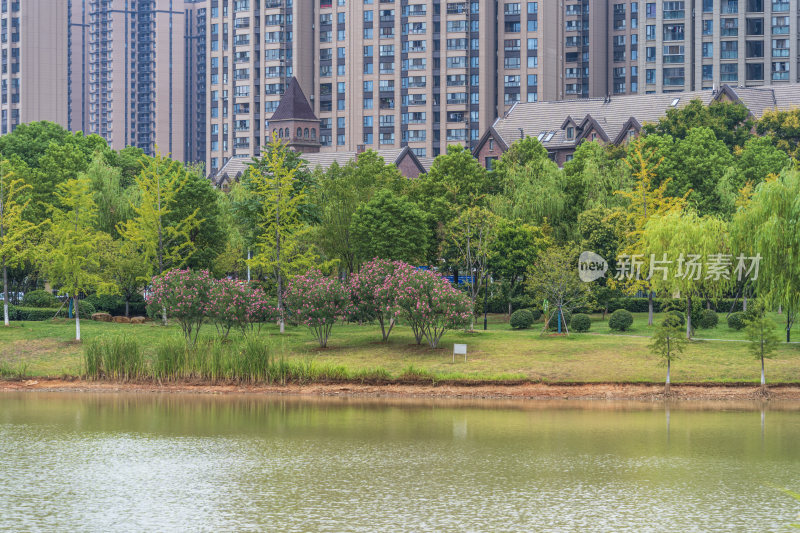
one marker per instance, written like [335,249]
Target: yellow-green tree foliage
[162,241]
[15,231]
[73,259]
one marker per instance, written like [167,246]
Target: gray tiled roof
[293,104]
[546,118]
[236,166]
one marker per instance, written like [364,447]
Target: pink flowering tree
[373,292]
[237,304]
[184,295]
[430,304]
[316,301]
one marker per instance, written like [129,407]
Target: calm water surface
[107,462]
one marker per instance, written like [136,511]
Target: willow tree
[161,240]
[771,219]
[688,255]
[15,231]
[73,258]
[645,201]
[282,243]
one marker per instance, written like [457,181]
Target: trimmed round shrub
[521,319]
[39,298]
[708,319]
[580,323]
[736,321]
[537,314]
[566,317]
[620,320]
[680,316]
[672,320]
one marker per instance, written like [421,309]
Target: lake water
[123,462]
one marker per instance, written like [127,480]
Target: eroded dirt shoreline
[522,391]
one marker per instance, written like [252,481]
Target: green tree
[730,122]
[644,200]
[514,248]
[208,235]
[783,126]
[696,164]
[73,257]
[126,269]
[15,231]
[389,226]
[760,330]
[686,242]
[113,201]
[769,225]
[162,239]
[533,191]
[471,235]
[668,343]
[592,176]
[554,277]
[757,160]
[281,246]
[340,192]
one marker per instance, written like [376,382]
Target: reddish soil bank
[519,391]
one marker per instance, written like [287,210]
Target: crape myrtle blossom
[190,296]
[317,301]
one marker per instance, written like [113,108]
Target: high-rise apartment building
[127,69]
[195,81]
[34,65]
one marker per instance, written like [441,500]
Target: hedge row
[639,305]
[34,314]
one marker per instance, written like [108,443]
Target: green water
[113,462]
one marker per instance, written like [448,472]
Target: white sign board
[459,349]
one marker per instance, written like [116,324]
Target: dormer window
[631,134]
[570,133]
[491,145]
[594,136]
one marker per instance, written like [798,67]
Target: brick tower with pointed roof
[294,122]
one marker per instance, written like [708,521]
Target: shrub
[373,292]
[736,321]
[521,319]
[236,304]
[40,299]
[620,320]
[566,317]
[708,319]
[430,304]
[537,314]
[318,302]
[580,323]
[185,296]
[34,314]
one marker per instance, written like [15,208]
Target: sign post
[460,349]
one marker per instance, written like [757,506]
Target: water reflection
[179,462]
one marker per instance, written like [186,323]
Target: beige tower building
[33,79]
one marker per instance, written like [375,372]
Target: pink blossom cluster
[386,291]
[190,297]
[317,301]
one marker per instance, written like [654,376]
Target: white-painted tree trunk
[77,319]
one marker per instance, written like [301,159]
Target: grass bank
[45,349]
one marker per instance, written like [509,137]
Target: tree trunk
[77,318]
[788,326]
[281,323]
[744,303]
[666,383]
[163,315]
[763,378]
[688,317]
[708,304]
[649,307]
[127,308]
[248,265]
[5,294]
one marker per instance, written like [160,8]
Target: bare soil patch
[518,391]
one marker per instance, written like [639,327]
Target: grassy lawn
[47,349]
